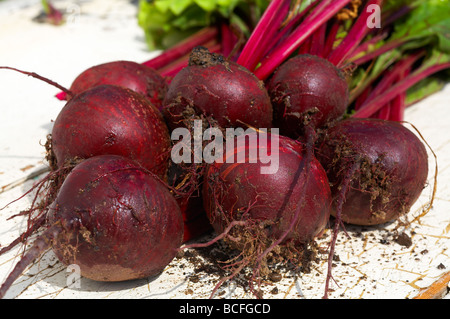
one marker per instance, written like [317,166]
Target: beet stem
[174,67]
[330,38]
[363,47]
[377,102]
[393,76]
[377,52]
[178,51]
[357,32]
[288,25]
[227,39]
[398,103]
[269,23]
[324,11]
[318,41]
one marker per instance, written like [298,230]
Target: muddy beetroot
[126,223]
[268,216]
[112,218]
[210,86]
[389,164]
[239,191]
[307,89]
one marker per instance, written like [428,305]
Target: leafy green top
[167,22]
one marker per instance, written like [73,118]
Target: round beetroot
[113,219]
[268,203]
[128,74]
[223,90]
[306,89]
[390,166]
[121,222]
[270,215]
[109,119]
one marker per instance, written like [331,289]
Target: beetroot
[306,89]
[261,213]
[231,187]
[109,119]
[390,168]
[128,74]
[215,88]
[377,170]
[112,218]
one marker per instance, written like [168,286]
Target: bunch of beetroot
[118,205]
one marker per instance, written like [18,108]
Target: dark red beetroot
[306,89]
[223,90]
[390,167]
[128,74]
[109,119]
[268,215]
[113,219]
[130,226]
[232,187]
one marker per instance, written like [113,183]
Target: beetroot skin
[391,168]
[223,90]
[306,89]
[239,191]
[128,74]
[108,119]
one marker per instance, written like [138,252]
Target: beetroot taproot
[113,219]
[213,87]
[306,90]
[109,119]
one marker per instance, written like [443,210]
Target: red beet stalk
[181,49]
[357,32]
[373,105]
[324,11]
[264,31]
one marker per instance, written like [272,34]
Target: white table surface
[372,264]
